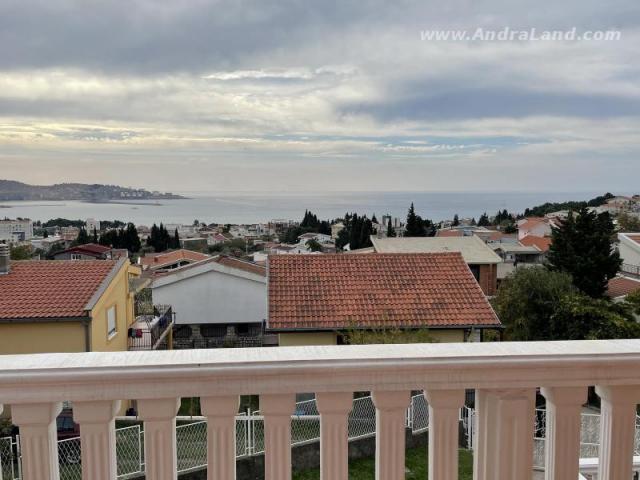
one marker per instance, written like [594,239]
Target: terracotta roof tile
[159,260]
[89,249]
[622,286]
[337,291]
[51,289]
[241,265]
[543,243]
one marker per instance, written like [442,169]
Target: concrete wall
[311,338]
[117,294]
[629,255]
[53,337]
[214,297]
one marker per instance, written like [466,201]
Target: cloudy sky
[296,95]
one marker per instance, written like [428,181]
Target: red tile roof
[51,289]
[242,265]
[159,260]
[622,286]
[337,291]
[88,249]
[449,233]
[543,243]
[634,238]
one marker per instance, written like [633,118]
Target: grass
[416,467]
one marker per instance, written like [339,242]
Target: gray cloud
[256,85]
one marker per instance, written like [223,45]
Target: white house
[92,224]
[220,300]
[629,248]
[19,230]
[539,227]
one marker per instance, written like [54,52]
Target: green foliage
[549,207]
[583,247]
[484,221]
[83,237]
[628,223]
[391,232]
[159,238]
[579,317]
[314,245]
[63,222]
[416,467]
[527,299]
[539,304]
[122,238]
[417,226]
[21,252]
[343,238]
[456,221]
[310,223]
[633,301]
[380,335]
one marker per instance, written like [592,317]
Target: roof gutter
[45,319]
[372,327]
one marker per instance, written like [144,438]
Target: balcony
[629,269]
[153,331]
[504,375]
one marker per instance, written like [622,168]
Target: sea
[249,207]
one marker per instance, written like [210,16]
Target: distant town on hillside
[17,191]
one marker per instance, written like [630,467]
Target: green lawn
[364,469]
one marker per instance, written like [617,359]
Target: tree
[456,221]
[527,299]
[579,317]
[414,227]
[391,232]
[175,242]
[374,219]
[83,237]
[313,245]
[21,252]
[483,221]
[343,238]
[628,223]
[45,234]
[582,247]
[95,235]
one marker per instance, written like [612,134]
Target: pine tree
[456,221]
[83,237]
[414,226]
[176,240]
[582,246]
[95,235]
[374,219]
[390,230]
[483,221]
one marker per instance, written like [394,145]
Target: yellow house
[318,299]
[66,306]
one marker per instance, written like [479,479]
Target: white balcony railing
[505,376]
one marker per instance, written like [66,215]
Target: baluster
[39,439]
[391,410]
[334,411]
[159,417]
[562,431]
[506,428]
[97,438]
[221,436]
[617,431]
[444,421]
[277,410]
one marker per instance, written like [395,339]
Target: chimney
[5,259]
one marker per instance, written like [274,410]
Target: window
[76,256]
[112,326]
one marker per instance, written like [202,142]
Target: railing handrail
[149,374]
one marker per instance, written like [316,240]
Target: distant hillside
[16,191]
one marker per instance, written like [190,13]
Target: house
[316,299]
[629,248]
[543,243]
[92,225]
[65,306]
[18,230]
[89,251]
[621,286]
[540,227]
[336,228]
[163,261]
[221,301]
[479,257]
[318,237]
[45,243]
[516,255]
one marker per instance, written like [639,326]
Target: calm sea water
[254,208]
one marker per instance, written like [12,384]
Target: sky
[331,95]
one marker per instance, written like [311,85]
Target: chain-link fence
[9,464]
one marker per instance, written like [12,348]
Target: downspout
[87,335]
